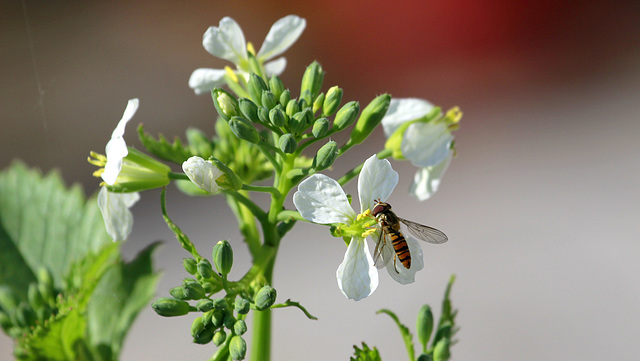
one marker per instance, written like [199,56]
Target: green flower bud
[206,318]
[243,129]
[242,306]
[46,285]
[371,116]
[303,103]
[312,81]
[325,156]
[256,86]
[223,257]
[169,307]
[320,128]
[444,331]
[197,326]
[292,107]
[424,326]
[192,289]
[288,143]
[204,268]
[34,296]
[190,265]
[332,101]
[346,115]
[248,109]
[237,348]
[210,287]
[285,97]
[424,357]
[219,337]
[317,104]
[254,64]
[217,318]
[225,103]
[204,337]
[178,293]
[277,116]
[220,304]
[441,350]
[276,86]
[204,305]
[240,327]
[199,143]
[229,321]
[298,123]
[269,100]
[265,298]
[263,114]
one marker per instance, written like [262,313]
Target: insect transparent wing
[424,233]
[383,252]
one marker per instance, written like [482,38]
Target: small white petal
[117,217]
[403,110]
[426,144]
[275,67]
[376,181]
[281,36]
[203,80]
[405,276]
[320,199]
[116,148]
[202,173]
[226,41]
[427,179]
[357,277]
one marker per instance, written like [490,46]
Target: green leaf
[43,224]
[365,354]
[173,152]
[404,331]
[60,340]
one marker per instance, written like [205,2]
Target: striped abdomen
[400,247]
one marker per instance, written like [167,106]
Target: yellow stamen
[231,74]
[97,160]
[251,49]
[368,232]
[363,215]
[98,173]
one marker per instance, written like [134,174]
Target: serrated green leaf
[404,332]
[365,354]
[173,152]
[58,342]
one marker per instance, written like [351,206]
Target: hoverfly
[396,246]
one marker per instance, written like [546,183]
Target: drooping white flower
[117,217]
[321,199]
[227,41]
[116,148]
[419,132]
[202,173]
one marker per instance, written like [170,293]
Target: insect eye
[377,209]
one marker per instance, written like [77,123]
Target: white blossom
[202,173]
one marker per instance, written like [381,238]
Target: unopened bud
[169,307]
[276,86]
[263,114]
[317,103]
[288,143]
[46,284]
[201,334]
[225,103]
[256,86]
[325,156]
[277,116]
[219,337]
[217,318]
[190,265]
[204,268]
[332,101]
[371,116]
[269,100]
[237,348]
[441,350]
[242,305]
[424,325]
[178,293]
[243,129]
[320,128]
[346,115]
[223,257]
[298,123]
[265,298]
[204,305]
[248,109]
[285,97]
[229,321]
[292,107]
[424,357]
[192,289]
[240,327]
[312,81]
[197,326]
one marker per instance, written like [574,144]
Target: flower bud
[190,265]
[201,334]
[332,101]
[225,103]
[371,116]
[444,331]
[424,325]
[263,114]
[229,321]
[217,318]
[204,174]
[199,143]
[265,298]
[192,289]
[254,64]
[317,103]
[288,143]
[269,100]
[220,304]
[298,123]
[242,306]
[240,327]
[219,337]
[243,129]
[169,307]
[256,86]
[248,109]
[441,350]
[223,257]
[210,287]
[237,348]
[276,86]
[285,97]
[303,103]
[292,107]
[204,268]
[277,116]
[424,357]
[178,293]
[325,156]
[312,81]
[197,326]
[320,128]
[46,284]
[346,115]
[204,305]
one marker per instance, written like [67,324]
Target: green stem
[247,224]
[178,176]
[264,189]
[287,215]
[355,171]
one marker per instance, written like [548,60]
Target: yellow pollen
[363,215]
[98,173]
[368,232]
[251,49]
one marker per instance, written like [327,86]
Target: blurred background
[540,206]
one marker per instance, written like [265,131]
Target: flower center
[362,226]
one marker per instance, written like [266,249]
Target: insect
[391,243]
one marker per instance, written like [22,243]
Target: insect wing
[383,252]
[424,233]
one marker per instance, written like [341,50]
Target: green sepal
[256,87]
[325,156]
[248,109]
[243,129]
[346,115]
[365,354]
[370,118]
[424,326]
[332,101]
[269,100]
[237,348]
[394,142]
[287,143]
[312,81]
[223,257]
[265,298]
[276,86]
[225,103]
[170,307]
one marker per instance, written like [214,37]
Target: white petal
[320,199]
[282,35]
[116,148]
[115,212]
[202,173]
[405,276]
[426,144]
[275,67]
[403,110]
[427,179]
[203,80]
[376,181]
[357,277]
[226,41]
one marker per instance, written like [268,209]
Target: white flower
[115,212]
[202,173]
[320,199]
[116,148]
[425,142]
[227,42]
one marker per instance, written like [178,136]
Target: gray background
[541,204]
